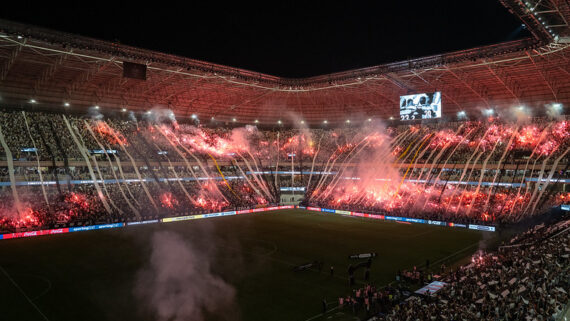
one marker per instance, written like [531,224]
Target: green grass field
[92,275]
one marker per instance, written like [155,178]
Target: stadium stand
[526,280]
[492,166]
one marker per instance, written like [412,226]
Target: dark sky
[289,39]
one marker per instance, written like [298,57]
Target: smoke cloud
[160,115]
[132,116]
[93,113]
[516,114]
[364,173]
[179,285]
[554,110]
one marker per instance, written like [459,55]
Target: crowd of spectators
[369,300]
[525,279]
[50,147]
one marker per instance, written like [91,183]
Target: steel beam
[8,64]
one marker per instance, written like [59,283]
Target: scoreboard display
[420,106]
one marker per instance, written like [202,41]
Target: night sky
[288,39]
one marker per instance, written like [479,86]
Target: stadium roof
[47,69]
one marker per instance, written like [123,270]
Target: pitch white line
[23,293]
[454,253]
[321,314]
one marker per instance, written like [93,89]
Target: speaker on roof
[134,70]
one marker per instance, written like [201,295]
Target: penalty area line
[23,293]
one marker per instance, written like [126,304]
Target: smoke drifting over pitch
[178,283]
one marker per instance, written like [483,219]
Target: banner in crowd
[33,233]
[143,222]
[482,228]
[362,256]
[292,189]
[551,180]
[432,288]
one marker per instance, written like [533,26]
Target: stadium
[141,185]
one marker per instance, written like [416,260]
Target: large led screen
[420,106]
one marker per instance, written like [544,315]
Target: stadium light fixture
[234,120]
[279,122]
[66,104]
[194,116]
[124,110]
[325,122]
[391,118]
[96,106]
[33,101]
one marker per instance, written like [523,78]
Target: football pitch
[225,268]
